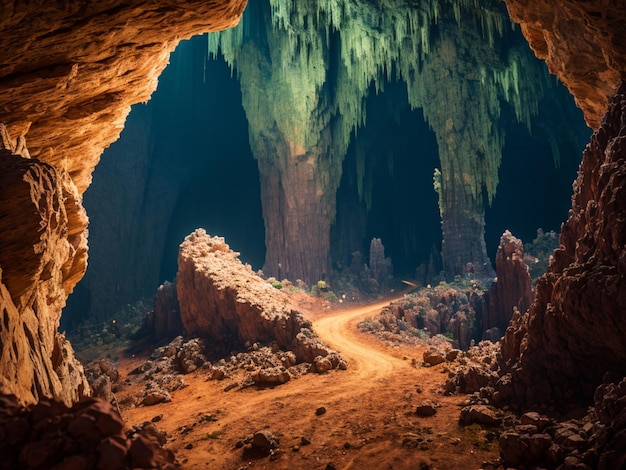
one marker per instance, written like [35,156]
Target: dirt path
[369,420]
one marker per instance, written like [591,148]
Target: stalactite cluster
[306,69]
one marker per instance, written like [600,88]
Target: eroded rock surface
[512,288]
[90,434]
[42,256]
[574,332]
[584,43]
[224,300]
[70,71]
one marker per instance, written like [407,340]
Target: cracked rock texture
[43,255]
[583,42]
[69,72]
[223,300]
[574,332]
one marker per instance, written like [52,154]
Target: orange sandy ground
[370,411]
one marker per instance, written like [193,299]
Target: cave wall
[572,337]
[68,75]
[583,43]
[574,332]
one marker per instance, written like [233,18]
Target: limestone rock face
[574,332]
[584,43]
[68,75]
[512,289]
[225,301]
[70,70]
[43,254]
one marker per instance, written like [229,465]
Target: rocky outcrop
[90,434]
[574,332]
[225,301]
[512,288]
[68,75]
[70,71]
[43,254]
[164,321]
[584,43]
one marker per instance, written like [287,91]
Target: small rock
[452,355]
[480,414]
[513,448]
[426,409]
[155,397]
[320,411]
[535,419]
[433,357]
[322,364]
[264,441]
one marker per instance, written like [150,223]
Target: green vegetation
[97,340]
[539,251]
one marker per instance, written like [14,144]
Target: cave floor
[370,419]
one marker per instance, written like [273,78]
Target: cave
[68,91]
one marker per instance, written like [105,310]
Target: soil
[369,420]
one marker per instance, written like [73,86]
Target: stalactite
[295,86]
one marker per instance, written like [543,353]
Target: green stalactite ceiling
[310,66]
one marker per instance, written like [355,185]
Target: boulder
[225,301]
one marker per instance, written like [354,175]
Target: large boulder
[225,301]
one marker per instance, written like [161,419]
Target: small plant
[277,285]
[322,286]
[211,435]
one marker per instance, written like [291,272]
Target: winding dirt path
[369,420]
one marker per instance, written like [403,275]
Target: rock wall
[584,43]
[512,288]
[68,75]
[225,301]
[574,332]
[43,254]
[71,70]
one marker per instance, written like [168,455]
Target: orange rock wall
[69,72]
[584,44]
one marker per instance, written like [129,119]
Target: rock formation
[89,434]
[512,288]
[584,43]
[304,105]
[225,301]
[42,256]
[69,74]
[72,100]
[380,267]
[574,332]
[164,321]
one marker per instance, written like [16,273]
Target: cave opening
[189,150]
[182,162]
[386,189]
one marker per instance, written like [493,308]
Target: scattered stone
[155,397]
[433,357]
[271,376]
[480,414]
[426,409]
[263,443]
[452,355]
[320,411]
[322,364]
